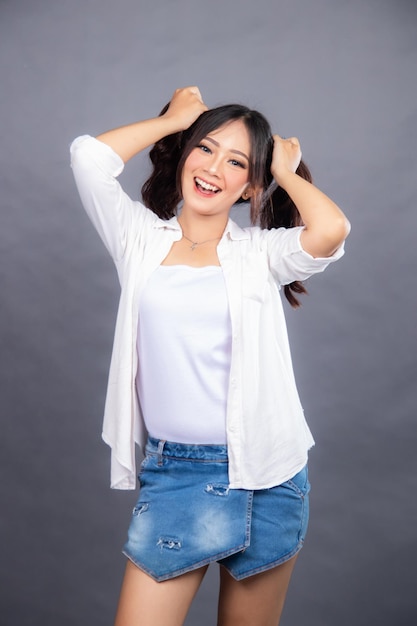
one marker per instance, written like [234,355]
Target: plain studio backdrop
[341,75]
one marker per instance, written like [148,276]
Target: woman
[201,356]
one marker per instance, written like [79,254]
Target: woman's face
[216,172]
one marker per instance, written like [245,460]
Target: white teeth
[207,186]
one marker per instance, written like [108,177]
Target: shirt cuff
[104,156]
[320,260]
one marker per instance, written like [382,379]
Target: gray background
[342,76]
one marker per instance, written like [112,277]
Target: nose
[214,166]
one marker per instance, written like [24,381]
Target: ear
[247,193]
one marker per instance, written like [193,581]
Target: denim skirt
[187,516]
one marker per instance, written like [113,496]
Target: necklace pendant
[193,246]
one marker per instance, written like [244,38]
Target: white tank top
[184,348]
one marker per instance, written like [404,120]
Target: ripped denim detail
[217,490]
[169,543]
[140,508]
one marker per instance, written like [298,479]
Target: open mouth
[205,187]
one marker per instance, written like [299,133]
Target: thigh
[145,602]
[254,601]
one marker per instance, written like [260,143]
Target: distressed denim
[187,516]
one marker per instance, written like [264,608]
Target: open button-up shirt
[267,435]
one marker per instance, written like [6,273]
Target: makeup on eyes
[232,151]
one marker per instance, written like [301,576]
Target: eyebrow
[216,143]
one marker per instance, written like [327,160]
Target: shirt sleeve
[113,213]
[288,260]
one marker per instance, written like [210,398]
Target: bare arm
[185,107]
[326,226]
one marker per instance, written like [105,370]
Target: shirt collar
[172,223]
[235,232]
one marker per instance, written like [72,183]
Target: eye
[204,148]
[237,163]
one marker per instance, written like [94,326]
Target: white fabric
[184,347]
[267,434]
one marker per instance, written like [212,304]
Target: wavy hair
[270,206]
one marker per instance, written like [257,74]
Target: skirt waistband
[198,452]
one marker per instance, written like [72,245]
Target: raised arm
[326,226]
[185,107]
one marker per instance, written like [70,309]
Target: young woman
[201,375]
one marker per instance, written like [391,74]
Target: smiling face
[216,172]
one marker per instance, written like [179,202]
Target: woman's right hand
[185,107]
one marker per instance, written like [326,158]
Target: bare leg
[254,601]
[144,602]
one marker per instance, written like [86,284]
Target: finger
[278,140]
[200,99]
[191,90]
[195,91]
[294,141]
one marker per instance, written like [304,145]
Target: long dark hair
[270,207]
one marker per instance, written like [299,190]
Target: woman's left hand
[286,157]
[325,225]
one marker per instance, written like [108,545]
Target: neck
[202,227]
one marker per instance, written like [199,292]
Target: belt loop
[161,444]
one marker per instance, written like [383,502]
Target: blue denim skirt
[187,516]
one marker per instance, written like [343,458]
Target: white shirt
[267,435]
[184,348]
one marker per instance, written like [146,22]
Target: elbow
[341,230]
[346,227]
[326,239]
[337,235]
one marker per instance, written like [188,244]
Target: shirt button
[233,382]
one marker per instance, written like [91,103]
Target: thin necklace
[199,243]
